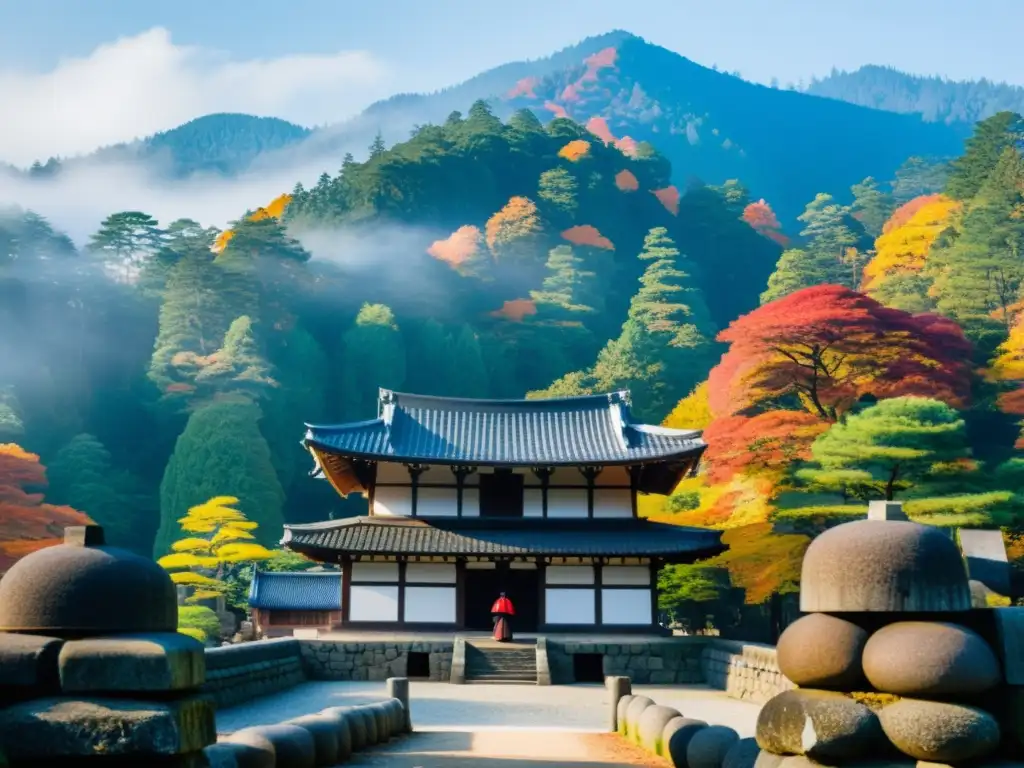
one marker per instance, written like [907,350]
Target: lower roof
[584,537]
[302,591]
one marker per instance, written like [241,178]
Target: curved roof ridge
[621,395]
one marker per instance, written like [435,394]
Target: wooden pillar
[346,591]
[415,470]
[591,474]
[544,475]
[655,567]
[401,591]
[542,577]
[460,594]
[598,618]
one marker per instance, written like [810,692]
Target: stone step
[502,679]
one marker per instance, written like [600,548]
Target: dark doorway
[482,588]
[501,495]
[588,667]
[419,664]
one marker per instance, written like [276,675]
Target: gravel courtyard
[478,707]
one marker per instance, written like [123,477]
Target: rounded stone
[324,730]
[353,723]
[938,731]
[709,746]
[768,760]
[383,716]
[822,725]
[930,659]
[822,651]
[369,724]
[342,731]
[633,711]
[651,726]
[82,588]
[620,713]
[396,716]
[742,754]
[253,752]
[294,747]
[676,738]
[883,565]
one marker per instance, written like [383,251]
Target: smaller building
[284,602]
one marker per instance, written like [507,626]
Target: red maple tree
[762,219]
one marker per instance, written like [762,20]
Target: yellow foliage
[517,219]
[692,412]
[193,579]
[575,150]
[229,533]
[904,249]
[194,632]
[760,561]
[1009,362]
[186,560]
[275,210]
[203,594]
[238,552]
[191,544]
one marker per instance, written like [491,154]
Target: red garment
[503,605]
[502,629]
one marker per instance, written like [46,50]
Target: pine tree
[221,452]
[871,206]
[124,241]
[983,152]
[238,368]
[468,372]
[558,188]
[372,357]
[378,147]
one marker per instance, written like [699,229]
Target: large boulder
[709,746]
[636,707]
[883,565]
[353,723]
[44,729]
[676,738]
[166,661]
[294,747]
[742,754]
[930,659]
[652,725]
[324,730]
[822,651]
[822,725]
[939,732]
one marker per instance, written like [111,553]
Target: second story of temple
[434,457]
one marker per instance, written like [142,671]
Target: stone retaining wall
[236,673]
[747,671]
[338,660]
[662,661]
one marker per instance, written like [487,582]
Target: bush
[199,622]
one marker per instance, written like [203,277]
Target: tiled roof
[502,537]
[296,591]
[593,429]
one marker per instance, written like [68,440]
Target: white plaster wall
[567,502]
[388,472]
[569,574]
[533,502]
[437,502]
[565,476]
[613,476]
[392,501]
[626,575]
[515,565]
[368,603]
[569,606]
[434,573]
[374,572]
[471,502]
[435,605]
[438,473]
[626,606]
[481,565]
[613,502]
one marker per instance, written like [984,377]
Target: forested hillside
[936,99]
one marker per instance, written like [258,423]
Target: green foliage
[887,448]
[199,622]
[124,240]
[872,206]
[919,176]
[373,356]
[984,150]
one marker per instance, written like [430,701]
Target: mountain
[935,99]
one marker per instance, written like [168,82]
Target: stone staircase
[488,661]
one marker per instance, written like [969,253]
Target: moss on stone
[874,700]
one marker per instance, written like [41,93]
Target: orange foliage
[570,92]
[462,245]
[523,87]
[762,562]
[516,310]
[603,59]
[575,150]
[626,181]
[557,109]
[763,220]
[627,145]
[27,523]
[669,197]
[599,127]
[763,444]
[517,219]
[903,247]
[587,235]
[904,213]
[274,210]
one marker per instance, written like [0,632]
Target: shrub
[199,622]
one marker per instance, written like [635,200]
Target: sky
[75,75]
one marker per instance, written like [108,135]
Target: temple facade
[471,498]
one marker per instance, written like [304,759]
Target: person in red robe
[503,611]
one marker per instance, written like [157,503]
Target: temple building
[471,498]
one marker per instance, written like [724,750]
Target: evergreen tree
[372,357]
[238,368]
[428,356]
[917,177]
[221,453]
[983,152]
[796,269]
[871,206]
[378,147]
[558,188]
[124,240]
[468,372]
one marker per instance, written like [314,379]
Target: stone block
[369,724]
[823,725]
[709,746]
[655,663]
[742,754]
[324,730]
[44,729]
[1010,632]
[28,664]
[132,663]
[940,732]
[383,718]
[651,726]
[822,651]
[225,754]
[930,659]
[294,747]
[621,710]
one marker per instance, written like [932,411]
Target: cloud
[136,86]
